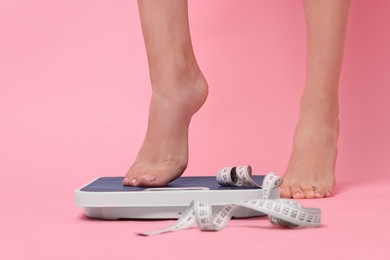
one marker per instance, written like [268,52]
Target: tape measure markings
[284,212]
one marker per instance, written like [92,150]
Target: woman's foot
[163,156]
[311,169]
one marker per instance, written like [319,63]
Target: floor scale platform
[108,198]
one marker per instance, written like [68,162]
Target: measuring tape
[283,212]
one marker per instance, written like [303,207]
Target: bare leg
[311,169]
[179,89]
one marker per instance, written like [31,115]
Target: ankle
[172,69]
[185,84]
[320,100]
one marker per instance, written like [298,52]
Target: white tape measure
[284,212]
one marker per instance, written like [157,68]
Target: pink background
[74,93]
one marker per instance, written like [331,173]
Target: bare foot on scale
[163,156]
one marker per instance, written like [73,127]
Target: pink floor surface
[42,223]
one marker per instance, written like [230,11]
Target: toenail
[309,194]
[133,181]
[318,195]
[149,178]
[328,194]
[298,193]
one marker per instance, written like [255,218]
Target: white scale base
[108,198]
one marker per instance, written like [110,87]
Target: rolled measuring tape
[283,212]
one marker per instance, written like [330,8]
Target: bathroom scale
[108,198]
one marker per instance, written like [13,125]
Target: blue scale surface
[114,184]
